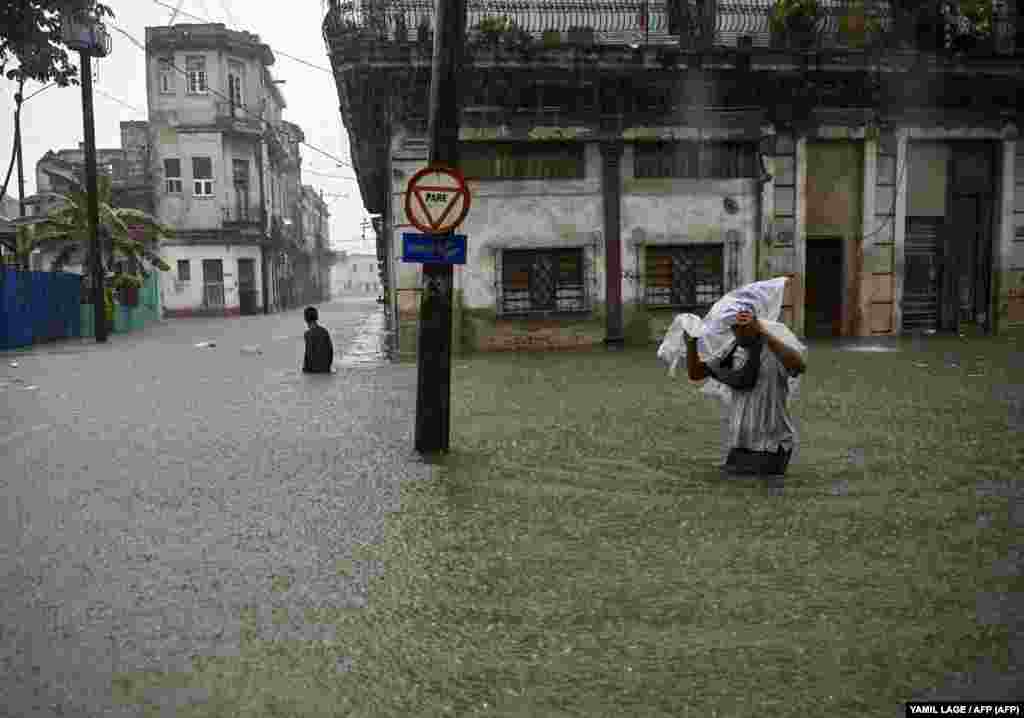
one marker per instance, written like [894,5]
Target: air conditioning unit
[179,286]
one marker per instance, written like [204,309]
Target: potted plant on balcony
[793,23]
[858,27]
[127,286]
[972,26]
[551,39]
[494,32]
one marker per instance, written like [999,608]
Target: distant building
[315,229]
[59,172]
[229,173]
[356,274]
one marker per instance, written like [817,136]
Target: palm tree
[66,230]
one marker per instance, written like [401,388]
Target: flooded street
[162,496]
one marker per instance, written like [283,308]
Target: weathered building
[356,275]
[644,156]
[228,168]
[314,228]
[62,171]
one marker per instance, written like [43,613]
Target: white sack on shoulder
[714,332]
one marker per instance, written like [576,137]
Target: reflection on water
[373,343]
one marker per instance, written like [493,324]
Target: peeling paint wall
[188,296]
[1009,284]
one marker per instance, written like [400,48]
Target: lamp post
[87,35]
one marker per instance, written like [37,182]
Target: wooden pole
[434,349]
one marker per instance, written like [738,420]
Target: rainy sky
[53,119]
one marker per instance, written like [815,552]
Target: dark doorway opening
[823,295]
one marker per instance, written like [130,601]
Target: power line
[276,52]
[118,101]
[221,95]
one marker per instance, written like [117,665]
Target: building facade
[315,230]
[356,275]
[634,166]
[228,172]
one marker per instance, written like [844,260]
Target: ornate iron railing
[941,25]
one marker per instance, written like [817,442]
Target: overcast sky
[53,119]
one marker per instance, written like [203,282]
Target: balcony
[244,221]
[974,27]
[238,118]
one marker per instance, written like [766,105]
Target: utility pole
[90,38]
[433,391]
[18,99]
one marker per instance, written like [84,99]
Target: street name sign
[437,199]
[433,249]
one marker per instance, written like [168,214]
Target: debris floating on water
[251,350]
[921,364]
[14,364]
[203,345]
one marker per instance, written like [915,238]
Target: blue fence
[38,307]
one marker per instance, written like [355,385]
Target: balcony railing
[240,214]
[942,25]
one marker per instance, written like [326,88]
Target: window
[166,76]
[236,74]
[552,160]
[696,160]
[684,277]
[195,68]
[240,171]
[184,270]
[202,177]
[542,281]
[172,176]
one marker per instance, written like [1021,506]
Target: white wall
[189,295]
[360,270]
[185,211]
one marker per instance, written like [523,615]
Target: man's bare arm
[789,358]
[695,368]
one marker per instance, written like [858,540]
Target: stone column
[611,154]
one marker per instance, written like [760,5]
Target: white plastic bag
[714,332]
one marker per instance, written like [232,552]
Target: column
[611,154]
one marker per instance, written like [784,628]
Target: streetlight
[84,33]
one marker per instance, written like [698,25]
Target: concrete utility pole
[98,303]
[85,34]
[433,391]
[18,99]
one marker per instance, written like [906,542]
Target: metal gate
[213,284]
[922,273]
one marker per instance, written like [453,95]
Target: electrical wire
[120,102]
[276,52]
[265,123]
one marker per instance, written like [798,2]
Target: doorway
[247,287]
[823,293]
[213,284]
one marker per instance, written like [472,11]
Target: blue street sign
[428,249]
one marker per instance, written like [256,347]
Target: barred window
[696,160]
[688,277]
[542,281]
[550,160]
[184,270]
[195,68]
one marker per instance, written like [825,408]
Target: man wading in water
[751,362]
[760,427]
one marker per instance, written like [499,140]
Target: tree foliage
[30,34]
[66,231]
